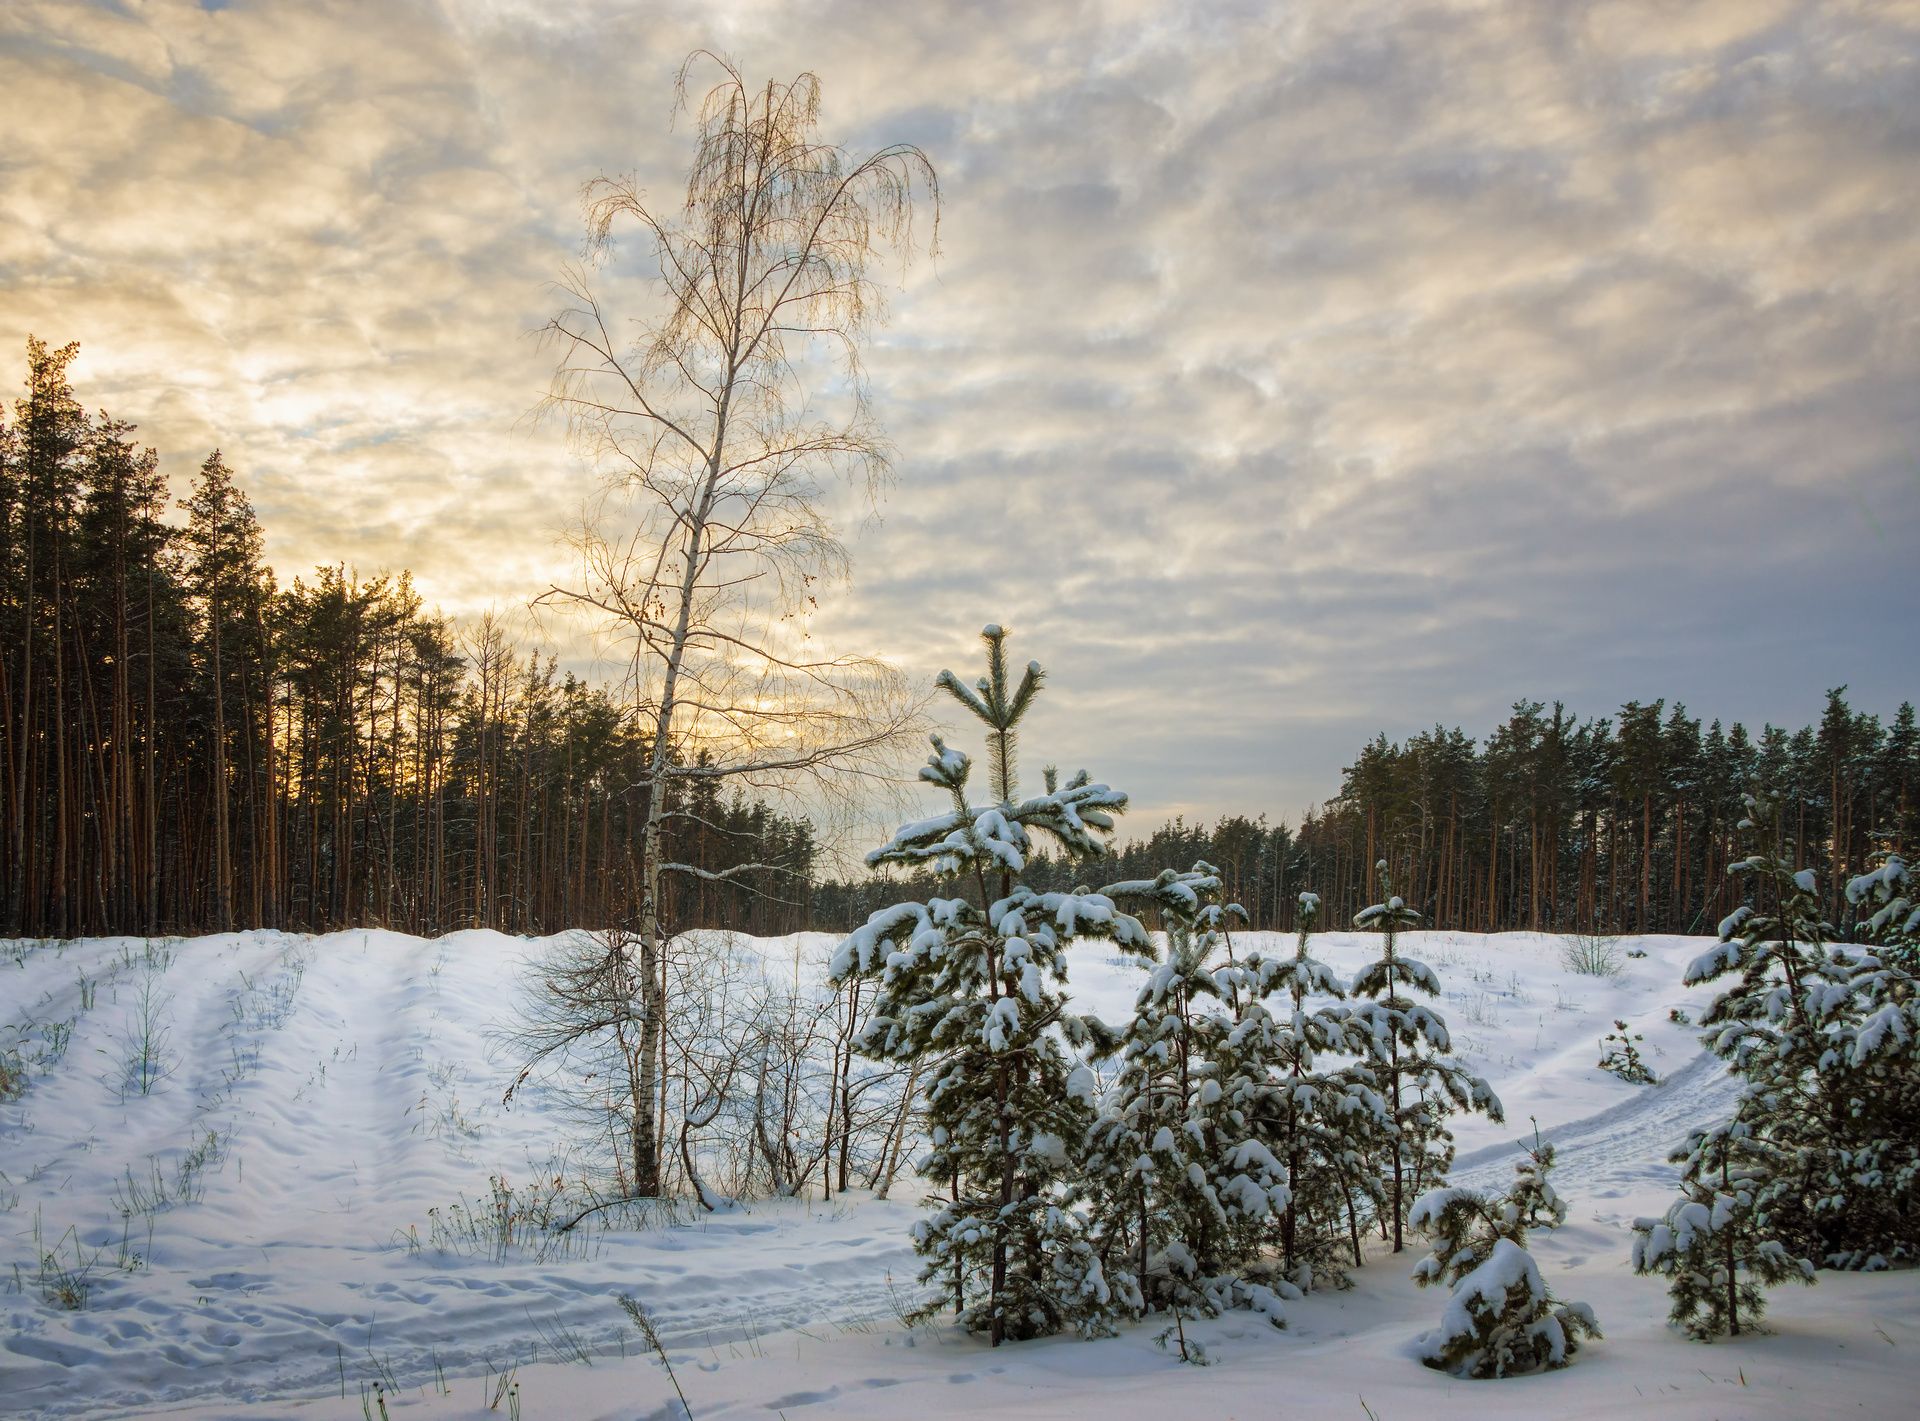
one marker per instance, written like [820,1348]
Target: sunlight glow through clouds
[1290,372]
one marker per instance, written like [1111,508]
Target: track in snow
[349,1084]
[1621,1150]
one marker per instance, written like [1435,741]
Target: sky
[1288,373]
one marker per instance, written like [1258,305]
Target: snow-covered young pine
[1296,1065]
[1890,889]
[1408,1043]
[1176,1167]
[1881,1042]
[1713,1243]
[1500,1319]
[1824,1041]
[1620,1055]
[972,988]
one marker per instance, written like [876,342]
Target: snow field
[271,1225]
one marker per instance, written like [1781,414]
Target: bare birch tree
[708,542]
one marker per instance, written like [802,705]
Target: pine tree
[1536,1203]
[1821,1040]
[132,610]
[1501,1320]
[1172,1160]
[1620,1055]
[1408,1043]
[1892,894]
[1639,777]
[50,432]
[1715,1242]
[973,989]
[1878,1043]
[1325,1123]
[1898,776]
[231,586]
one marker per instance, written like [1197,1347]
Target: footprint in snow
[42,1349]
[803,1398]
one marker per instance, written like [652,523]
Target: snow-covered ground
[244,1230]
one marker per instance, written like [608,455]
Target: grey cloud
[1289,372]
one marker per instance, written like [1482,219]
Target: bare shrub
[1592,955]
[750,1085]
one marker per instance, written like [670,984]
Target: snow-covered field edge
[230,1147]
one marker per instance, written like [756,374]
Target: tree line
[187,746]
[1229,1145]
[1551,823]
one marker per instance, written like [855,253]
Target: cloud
[1289,373]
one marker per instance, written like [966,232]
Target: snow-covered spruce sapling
[1408,1043]
[1714,1243]
[1500,1320]
[972,988]
[1173,1165]
[1620,1055]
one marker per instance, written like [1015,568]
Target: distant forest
[1618,824]
[189,747]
